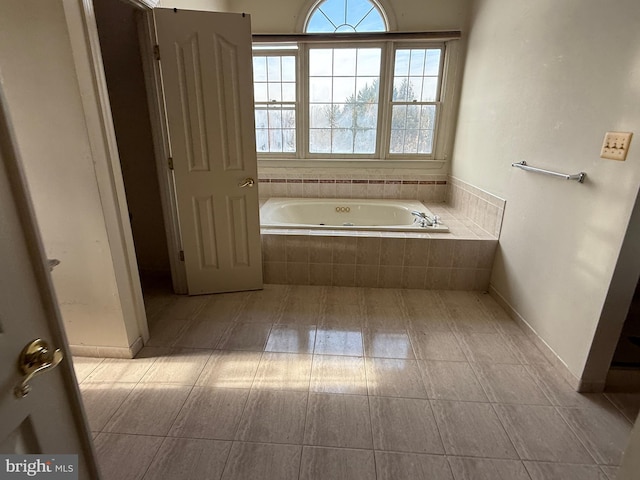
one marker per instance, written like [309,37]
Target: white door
[50,418]
[206,66]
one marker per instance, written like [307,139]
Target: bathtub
[345,214]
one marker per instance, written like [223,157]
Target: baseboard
[107,352]
[576,383]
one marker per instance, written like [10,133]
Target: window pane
[275,119]
[366,116]
[433,62]
[425,141]
[400,89]
[320,62]
[288,69]
[260,69]
[262,140]
[273,69]
[261,119]
[288,118]
[411,141]
[412,129]
[343,89]
[397,141]
[289,140]
[402,63]
[320,89]
[342,141]
[275,122]
[318,23]
[372,23]
[319,116]
[429,89]
[398,116]
[365,141]
[343,116]
[369,61]
[288,92]
[260,92]
[416,64]
[345,16]
[415,88]
[344,61]
[275,92]
[428,117]
[413,116]
[319,140]
[346,103]
[415,81]
[275,140]
[367,88]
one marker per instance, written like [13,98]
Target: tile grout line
[577,435]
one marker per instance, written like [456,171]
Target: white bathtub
[344,214]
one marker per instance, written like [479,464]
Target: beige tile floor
[344,383]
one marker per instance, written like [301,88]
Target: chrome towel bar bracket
[576,176]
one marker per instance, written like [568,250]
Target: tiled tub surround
[425,188]
[479,207]
[459,260]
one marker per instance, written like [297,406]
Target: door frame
[161,144]
[110,184]
[159,131]
[87,56]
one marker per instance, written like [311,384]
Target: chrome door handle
[248,182]
[36,358]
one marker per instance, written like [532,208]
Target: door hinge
[170,162]
[156,52]
[182,255]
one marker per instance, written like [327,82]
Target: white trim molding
[87,56]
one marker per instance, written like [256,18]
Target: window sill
[365,163]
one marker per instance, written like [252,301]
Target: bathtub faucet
[424,219]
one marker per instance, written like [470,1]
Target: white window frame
[445,108]
[290,51]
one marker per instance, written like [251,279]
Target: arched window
[346,16]
[350,90]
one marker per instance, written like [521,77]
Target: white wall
[39,77]
[543,81]
[206,5]
[287,16]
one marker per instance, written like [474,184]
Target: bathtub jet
[349,214]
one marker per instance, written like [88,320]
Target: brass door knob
[36,358]
[248,182]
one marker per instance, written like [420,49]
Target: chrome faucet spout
[423,218]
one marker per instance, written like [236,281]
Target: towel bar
[577,176]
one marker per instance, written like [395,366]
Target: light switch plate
[616,145]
